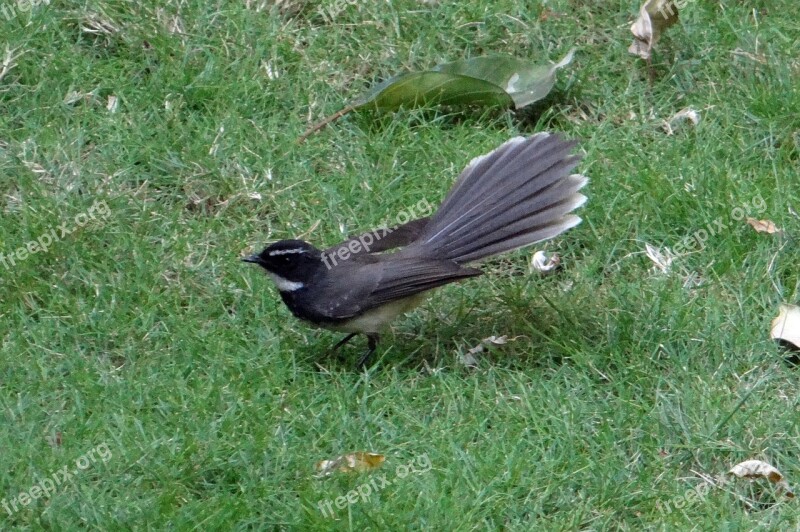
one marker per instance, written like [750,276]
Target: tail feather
[504,162]
[511,203]
[526,226]
[517,195]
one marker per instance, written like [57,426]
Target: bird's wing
[406,277]
[376,283]
[381,240]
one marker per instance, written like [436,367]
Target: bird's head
[290,263]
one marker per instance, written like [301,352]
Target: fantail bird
[519,194]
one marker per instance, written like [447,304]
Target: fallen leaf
[493,340]
[763,226]
[73,97]
[655,16]
[112,104]
[755,469]
[470,360]
[786,327]
[415,89]
[542,263]
[492,81]
[684,115]
[348,463]
[663,261]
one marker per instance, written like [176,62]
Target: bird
[519,194]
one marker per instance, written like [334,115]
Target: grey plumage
[517,195]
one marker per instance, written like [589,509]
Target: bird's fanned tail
[517,195]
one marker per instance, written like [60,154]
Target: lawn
[150,381]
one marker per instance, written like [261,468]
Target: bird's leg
[372,343]
[341,343]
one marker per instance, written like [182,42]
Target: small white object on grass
[544,264]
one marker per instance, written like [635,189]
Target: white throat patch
[285,285]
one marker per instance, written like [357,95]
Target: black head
[291,260]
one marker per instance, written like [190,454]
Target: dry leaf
[663,261]
[763,226]
[470,360]
[786,326]
[542,263]
[753,469]
[684,115]
[655,16]
[348,463]
[756,469]
[73,97]
[112,104]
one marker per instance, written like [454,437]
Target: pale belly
[375,320]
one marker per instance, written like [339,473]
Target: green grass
[142,331]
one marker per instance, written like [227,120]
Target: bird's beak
[252,258]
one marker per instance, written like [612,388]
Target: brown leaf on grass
[348,463]
[763,226]
[470,359]
[655,16]
[786,327]
[755,469]
[684,115]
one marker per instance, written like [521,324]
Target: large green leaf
[415,89]
[494,81]
[524,82]
[498,80]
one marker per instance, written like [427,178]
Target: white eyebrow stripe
[286,251]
